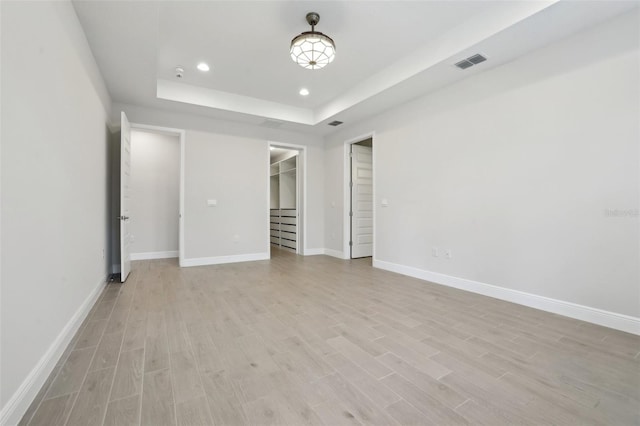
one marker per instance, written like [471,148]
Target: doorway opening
[155,194]
[360,183]
[286,197]
[147,195]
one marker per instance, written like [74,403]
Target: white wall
[233,171]
[54,192]
[223,135]
[155,195]
[513,170]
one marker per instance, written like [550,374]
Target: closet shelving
[284,213]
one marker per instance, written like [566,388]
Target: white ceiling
[388,52]
[276,153]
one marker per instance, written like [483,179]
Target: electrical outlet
[102,254]
[448,254]
[434,251]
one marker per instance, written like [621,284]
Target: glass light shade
[312,50]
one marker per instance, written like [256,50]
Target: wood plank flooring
[317,340]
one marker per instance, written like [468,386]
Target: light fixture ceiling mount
[312,49]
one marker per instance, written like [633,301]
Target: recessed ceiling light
[203,67]
[304,92]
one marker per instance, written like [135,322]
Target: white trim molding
[203,261]
[335,253]
[609,319]
[17,406]
[154,255]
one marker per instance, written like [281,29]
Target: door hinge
[350,243]
[351,214]
[351,184]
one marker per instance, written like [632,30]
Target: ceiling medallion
[311,49]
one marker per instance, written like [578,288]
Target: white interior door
[125,196]
[361,201]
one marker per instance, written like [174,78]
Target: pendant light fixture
[311,49]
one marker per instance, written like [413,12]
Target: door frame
[346,226]
[182,134]
[300,200]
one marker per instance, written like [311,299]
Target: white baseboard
[154,255]
[313,252]
[18,404]
[202,261]
[609,319]
[334,253]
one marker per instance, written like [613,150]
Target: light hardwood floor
[317,340]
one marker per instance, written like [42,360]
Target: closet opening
[360,206]
[286,197]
